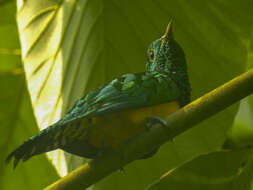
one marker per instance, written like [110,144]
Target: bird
[118,111]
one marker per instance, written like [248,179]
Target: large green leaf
[241,133]
[16,115]
[69,47]
[222,170]
[250,61]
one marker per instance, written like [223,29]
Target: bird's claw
[154,120]
[121,169]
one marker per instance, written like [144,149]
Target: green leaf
[16,115]
[217,170]
[241,133]
[250,61]
[70,47]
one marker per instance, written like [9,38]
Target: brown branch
[184,119]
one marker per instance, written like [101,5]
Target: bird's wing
[127,92]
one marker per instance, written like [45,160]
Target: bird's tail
[23,152]
[46,140]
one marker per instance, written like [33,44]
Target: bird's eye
[151,55]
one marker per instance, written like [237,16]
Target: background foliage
[16,116]
[69,47]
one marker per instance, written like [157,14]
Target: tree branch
[184,119]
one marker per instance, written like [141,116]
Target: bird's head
[165,54]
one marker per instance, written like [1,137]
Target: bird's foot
[154,120]
[150,121]
[122,170]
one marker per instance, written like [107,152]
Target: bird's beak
[168,34]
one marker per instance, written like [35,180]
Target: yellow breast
[110,130]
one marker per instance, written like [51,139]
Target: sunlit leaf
[16,115]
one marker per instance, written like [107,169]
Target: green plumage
[165,80]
